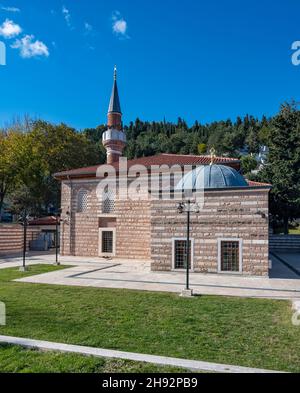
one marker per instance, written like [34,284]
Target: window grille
[108,204]
[82,201]
[230,256]
[107,242]
[181,254]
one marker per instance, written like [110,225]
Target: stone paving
[136,275]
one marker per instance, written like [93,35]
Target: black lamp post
[187,207]
[56,238]
[24,220]
[58,220]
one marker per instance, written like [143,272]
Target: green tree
[248,164]
[202,148]
[252,140]
[11,161]
[283,166]
[44,150]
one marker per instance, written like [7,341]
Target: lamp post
[57,221]
[187,207]
[24,220]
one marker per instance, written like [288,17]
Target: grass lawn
[246,332]
[294,231]
[14,359]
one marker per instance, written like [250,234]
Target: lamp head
[180,208]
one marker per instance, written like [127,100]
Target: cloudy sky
[205,60]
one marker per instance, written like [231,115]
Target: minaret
[114,139]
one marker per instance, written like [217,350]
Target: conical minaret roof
[114,104]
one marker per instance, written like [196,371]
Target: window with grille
[180,254]
[107,242]
[230,256]
[108,204]
[82,201]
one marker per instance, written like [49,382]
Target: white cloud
[119,25]
[11,9]
[9,29]
[29,48]
[67,15]
[88,27]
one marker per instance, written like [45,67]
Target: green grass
[246,332]
[292,231]
[295,231]
[14,359]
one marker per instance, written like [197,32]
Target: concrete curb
[193,365]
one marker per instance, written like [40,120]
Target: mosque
[229,228]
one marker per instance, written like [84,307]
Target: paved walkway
[284,282]
[193,365]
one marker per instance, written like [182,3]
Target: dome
[211,177]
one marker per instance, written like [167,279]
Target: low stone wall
[11,238]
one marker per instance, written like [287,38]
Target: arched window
[108,203]
[82,201]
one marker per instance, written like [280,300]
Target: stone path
[136,275]
[194,365]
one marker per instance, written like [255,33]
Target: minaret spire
[114,104]
[114,139]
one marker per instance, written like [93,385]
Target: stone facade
[240,214]
[80,231]
[146,229]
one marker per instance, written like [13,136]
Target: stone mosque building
[228,235]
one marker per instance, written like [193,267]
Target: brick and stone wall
[79,231]
[145,229]
[11,238]
[226,214]
[80,236]
[133,229]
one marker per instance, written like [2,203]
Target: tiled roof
[257,184]
[161,159]
[51,220]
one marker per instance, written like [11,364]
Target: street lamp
[57,222]
[187,207]
[24,220]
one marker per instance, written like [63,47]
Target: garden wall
[11,238]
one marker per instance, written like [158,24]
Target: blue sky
[205,60]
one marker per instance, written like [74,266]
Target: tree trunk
[286,225]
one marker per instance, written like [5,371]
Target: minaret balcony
[114,135]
